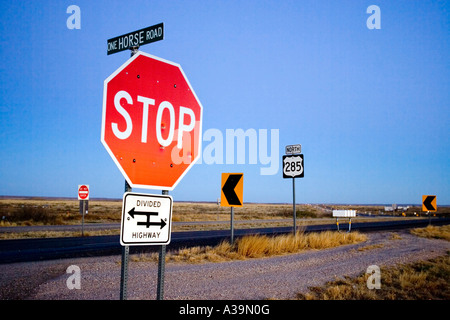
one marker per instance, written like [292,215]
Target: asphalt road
[116,225]
[21,250]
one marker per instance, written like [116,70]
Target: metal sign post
[232,225]
[293,205]
[293,167]
[82,219]
[124,265]
[125,249]
[161,267]
[232,190]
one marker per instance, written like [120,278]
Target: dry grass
[29,211]
[370,247]
[257,246]
[395,236]
[442,232]
[418,281]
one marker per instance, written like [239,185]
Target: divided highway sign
[146,219]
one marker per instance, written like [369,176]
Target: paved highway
[116,225]
[21,250]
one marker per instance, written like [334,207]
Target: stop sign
[151,122]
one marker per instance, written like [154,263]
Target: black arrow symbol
[133,212]
[427,203]
[148,223]
[228,189]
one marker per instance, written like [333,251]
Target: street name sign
[232,190]
[146,219]
[151,122]
[136,38]
[293,166]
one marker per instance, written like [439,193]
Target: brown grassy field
[15,212]
[52,211]
[37,211]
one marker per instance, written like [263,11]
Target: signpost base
[161,267]
[293,205]
[232,225]
[349,224]
[124,273]
[124,265]
[82,219]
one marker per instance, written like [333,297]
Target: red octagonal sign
[152,122]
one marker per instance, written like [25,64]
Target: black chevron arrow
[228,189]
[427,203]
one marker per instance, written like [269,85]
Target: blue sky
[370,107]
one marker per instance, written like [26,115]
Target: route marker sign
[293,166]
[232,190]
[146,219]
[429,203]
[151,123]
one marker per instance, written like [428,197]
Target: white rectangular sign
[146,219]
[344,213]
[294,149]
